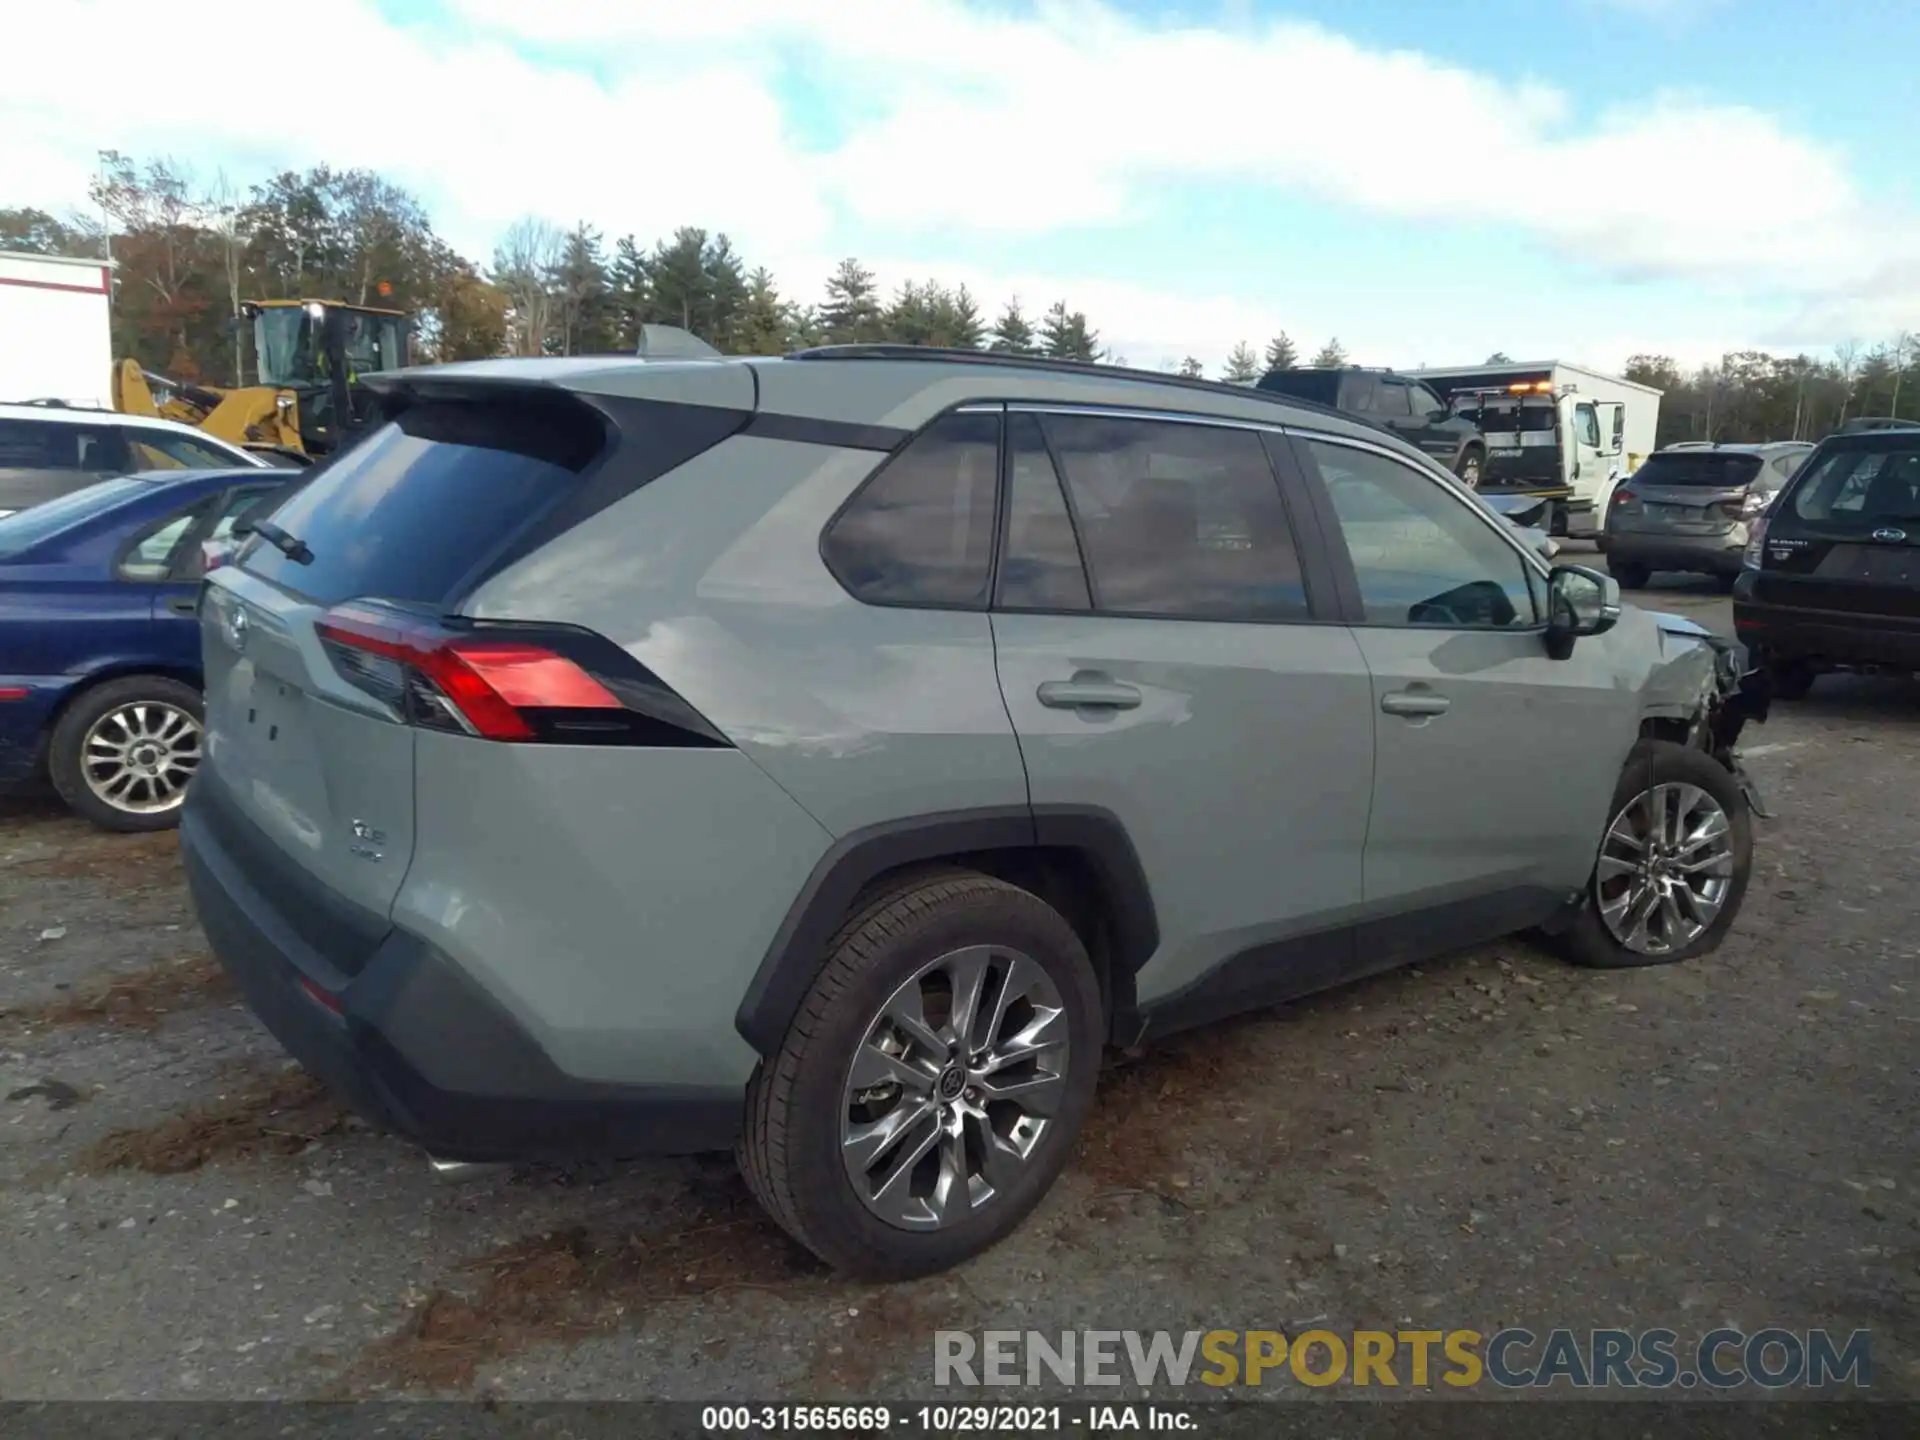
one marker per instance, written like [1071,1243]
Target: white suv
[47,450]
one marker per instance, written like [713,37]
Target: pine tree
[852,314]
[767,324]
[1191,369]
[958,320]
[677,283]
[726,294]
[628,292]
[585,314]
[1012,334]
[912,317]
[1281,354]
[1331,357]
[1065,335]
[1243,366]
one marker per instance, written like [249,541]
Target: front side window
[1392,402]
[1588,421]
[1178,520]
[1421,556]
[52,445]
[151,558]
[921,531]
[1424,401]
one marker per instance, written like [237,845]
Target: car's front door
[1183,678]
[1494,763]
[1433,430]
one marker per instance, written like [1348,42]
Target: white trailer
[56,330]
[1555,428]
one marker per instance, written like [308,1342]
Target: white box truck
[56,330]
[1554,429]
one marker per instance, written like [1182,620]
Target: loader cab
[320,351]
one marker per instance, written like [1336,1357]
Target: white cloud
[962,120]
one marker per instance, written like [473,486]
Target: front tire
[122,753]
[1472,468]
[1630,573]
[932,1085]
[1673,864]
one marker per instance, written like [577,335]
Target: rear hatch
[1845,534]
[1690,492]
[308,638]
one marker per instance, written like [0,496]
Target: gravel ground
[1493,1139]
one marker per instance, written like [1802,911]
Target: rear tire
[122,753]
[804,1148]
[1660,768]
[1630,573]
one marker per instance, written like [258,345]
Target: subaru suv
[1833,568]
[1691,508]
[829,756]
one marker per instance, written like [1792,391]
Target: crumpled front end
[1708,684]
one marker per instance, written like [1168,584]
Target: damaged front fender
[1707,684]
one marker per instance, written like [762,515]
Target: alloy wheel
[954,1086]
[139,758]
[1665,869]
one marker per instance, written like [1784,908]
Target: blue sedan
[99,640]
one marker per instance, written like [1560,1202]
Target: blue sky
[1581,178]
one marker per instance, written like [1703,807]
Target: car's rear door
[1843,539]
[309,779]
[1185,681]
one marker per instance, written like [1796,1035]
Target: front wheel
[1673,864]
[931,1088]
[121,755]
[1471,469]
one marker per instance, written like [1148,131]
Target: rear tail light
[1625,497]
[1756,542]
[509,683]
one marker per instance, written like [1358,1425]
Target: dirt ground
[1494,1139]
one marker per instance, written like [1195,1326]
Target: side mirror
[1580,601]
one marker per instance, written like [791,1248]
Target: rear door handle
[1072,694]
[1414,702]
[184,604]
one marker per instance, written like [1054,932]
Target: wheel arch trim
[857,859]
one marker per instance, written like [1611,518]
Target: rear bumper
[417,1047]
[24,722]
[1695,554]
[1828,637]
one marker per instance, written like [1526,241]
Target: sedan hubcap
[1664,869]
[953,1087]
[139,758]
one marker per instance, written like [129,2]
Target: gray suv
[1690,506]
[832,755]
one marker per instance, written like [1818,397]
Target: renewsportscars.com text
[1773,1358]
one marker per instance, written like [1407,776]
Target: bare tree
[1902,346]
[523,266]
[1846,356]
[223,212]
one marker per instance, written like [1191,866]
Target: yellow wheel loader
[309,401]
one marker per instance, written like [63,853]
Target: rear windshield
[24,529]
[1496,417]
[1858,488]
[426,501]
[1707,469]
[1320,386]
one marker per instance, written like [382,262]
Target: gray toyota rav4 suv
[830,756]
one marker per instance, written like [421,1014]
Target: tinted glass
[1424,401]
[1421,556]
[425,503]
[1391,400]
[1179,520]
[1699,469]
[1040,565]
[1320,386]
[921,531]
[155,450]
[29,527]
[51,445]
[1857,490]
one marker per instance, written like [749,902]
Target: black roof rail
[1092,368]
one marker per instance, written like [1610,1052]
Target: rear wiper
[291,546]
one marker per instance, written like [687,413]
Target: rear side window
[424,505]
[1700,469]
[1177,520]
[52,445]
[1849,489]
[920,532]
[1320,386]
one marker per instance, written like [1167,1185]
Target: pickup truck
[1398,403]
